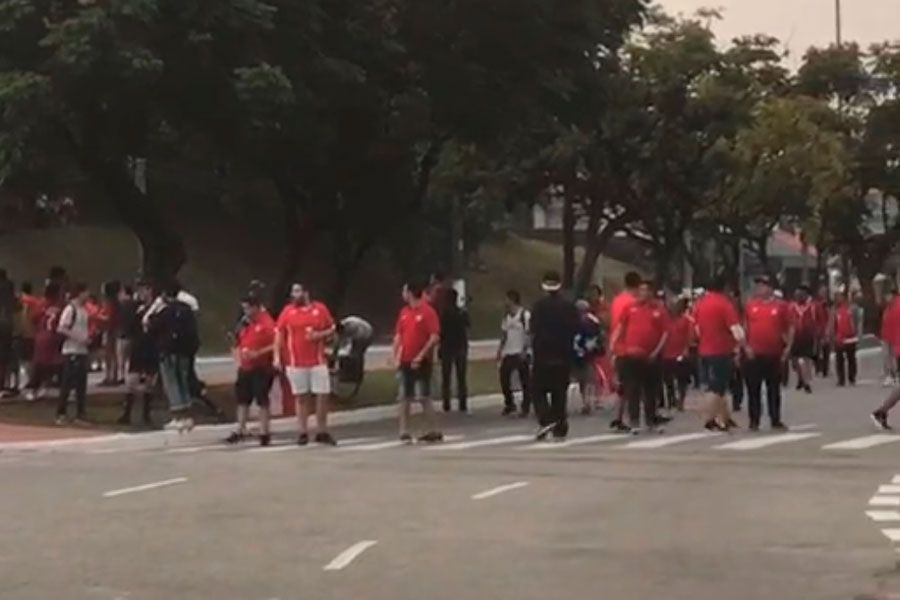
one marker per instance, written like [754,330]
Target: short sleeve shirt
[768,322]
[255,336]
[296,323]
[715,315]
[644,326]
[679,337]
[620,305]
[415,326]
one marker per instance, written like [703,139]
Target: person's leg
[305,406]
[840,359]
[650,392]
[524,371]
[506,370]
[631,390]
[407,394]
[669,367]
[321,389]
[770,373]
[558,401]
[423,379]
[462,386]
[66,385]
[753,370]
[737,389]
[541,386]
[684,379]
[184,368]
[262,386]
[446,373]
[851,364]
[148,383]
[323,402]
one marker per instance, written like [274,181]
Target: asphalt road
[486,515]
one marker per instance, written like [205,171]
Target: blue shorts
[718,371]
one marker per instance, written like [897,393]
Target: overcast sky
[801,23]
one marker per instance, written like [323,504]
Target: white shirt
[73,323]
[516,327]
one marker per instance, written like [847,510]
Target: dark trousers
[768,370]
[640,380]
[42,375]
[74,378]
[450,362]
[515,363]
[737,388]
[676,376]
[845,359]
[823,363]
[551,380]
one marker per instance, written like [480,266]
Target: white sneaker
[173,425]
[30,396]
[186,425]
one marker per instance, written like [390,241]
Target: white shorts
[309,380]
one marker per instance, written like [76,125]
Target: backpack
[181,337]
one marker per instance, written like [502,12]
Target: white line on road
[884,501]
[145,487]
[862,443]
[896,479]
[887,490]
[662,442]
[294,446]
[391,444]
[883,516]
[499,490]
[349,555]
[193,449]
[804,427]
[591,439]
[498,441]
[892,534]
[766,441]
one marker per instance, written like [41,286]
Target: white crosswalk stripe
[884,501]
[664,441]
[887,490]
[497,441]
[883,516]
[582,441]
[386,445]
[863,443]
[756,443]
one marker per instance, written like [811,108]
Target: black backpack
[180,334]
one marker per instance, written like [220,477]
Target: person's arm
[660,345]
[434,329]
[788,342]
[278,346]
[502,343]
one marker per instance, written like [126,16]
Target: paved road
[486,515]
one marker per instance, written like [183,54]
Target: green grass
[379,388]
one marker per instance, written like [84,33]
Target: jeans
[515,363]
[551,380]
[759,370]
[74,378]
[174,372]
[845,359]
[459,362]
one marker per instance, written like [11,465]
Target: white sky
[801,23]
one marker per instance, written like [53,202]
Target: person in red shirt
[719,333]
[47,358]
[887,326]
[416,336]
[803,351]
[620,305]
[639,339]
[846,326]
[32,307]
[254,354]
[823,322]
[676,369]
[890,336]
[302,331]
[770,332]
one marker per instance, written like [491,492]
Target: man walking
[303,329]
[770,333]
[512,354]
[718,331]
[804,348]
[73,327]
[676,366]
[848,322]
[454,349]
[641,336]
[554,322]
[620,305]
[416,336]
[254,352]
[823,331]
[142,358]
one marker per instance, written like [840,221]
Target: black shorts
[804,347]
[415,384]
[718,371]
[253,386]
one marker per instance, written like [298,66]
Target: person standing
[416,336]
[804,349]
[823,331]
[620,305]
[8,307]
[718,333]
[254,353]
[110,330]
[174,328]
[47,359]
[512,353]
[73,327]
[453,350]
[32,307]
[890,336]
[303,330]
[770,334]
[641,335]
[889,314]
[848,322]
[142,357]
[554,322]
[676,366]
[588,349]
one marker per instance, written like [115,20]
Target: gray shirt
[73,325]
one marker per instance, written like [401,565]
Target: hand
[276,363]
[416,363]
[749,353]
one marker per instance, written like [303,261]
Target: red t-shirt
[643,325]
[822,315]
[415,326]
[678,342]
[256,335]
[844,327]
[620,304]
[715,315]
[295,323]
[804,317]
[888,316]
[768,322]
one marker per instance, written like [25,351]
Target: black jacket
[454,330]
[554,323]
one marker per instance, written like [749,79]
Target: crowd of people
[643,350]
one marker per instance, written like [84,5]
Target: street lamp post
[837,23]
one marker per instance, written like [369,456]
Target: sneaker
[662,419]
[779,427]
[187,425]
[807,388]
[30,396]
[303,439]
[508,410]
[879,418]
[544,431]
[731,424]
[406,439]
[635,430]
[432,437]
[620,427]
[173,425]
[265,439]
[325,439]
[712,425]
[235,437]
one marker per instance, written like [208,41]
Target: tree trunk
[594,245]
[298,236]
[568,234]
